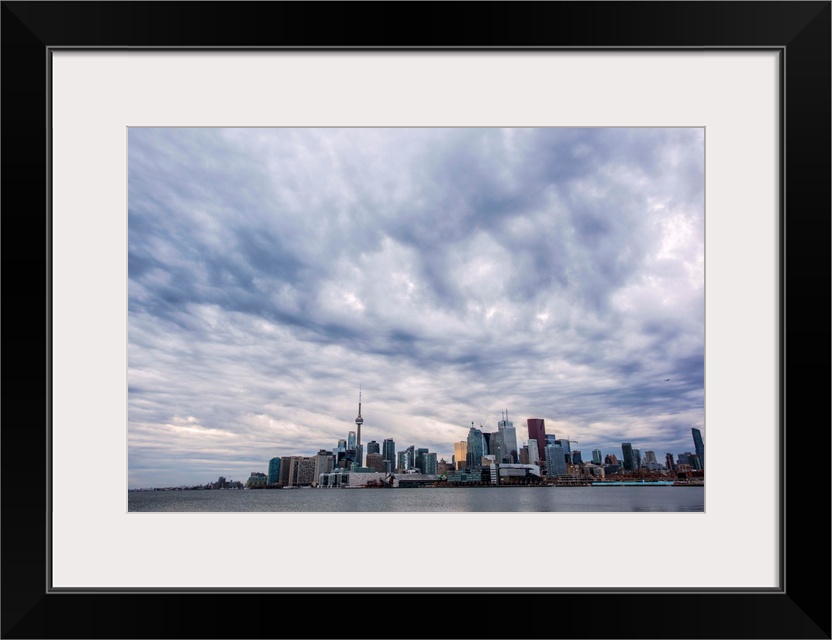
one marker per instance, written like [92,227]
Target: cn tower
[359,452]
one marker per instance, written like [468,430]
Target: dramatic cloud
[451,273]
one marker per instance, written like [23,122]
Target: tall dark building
[419,459]
[284,470]
[699,445]
[306,471]
[488,447]
[405,459]
[629,456]
[373,447]
[476,448]
[537,431]
[274,470]
[388,454]
[344,459]
[496,446]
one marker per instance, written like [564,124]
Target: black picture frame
[799,31]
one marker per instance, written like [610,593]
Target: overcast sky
[450,273]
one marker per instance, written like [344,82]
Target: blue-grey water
[456,499]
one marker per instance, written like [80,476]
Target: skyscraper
[293,470]
[404,459]
[506,427]
[486,447]
[476,448]
[596,456]
[324,463]
[460,454]
[418,459]
[537,431]
[388,453]
[430,465]
[698,445]
[274,470]
[375,461]
[306,471]
[373,447]
[555,460]
[284,470]
[533,455]
[629,458]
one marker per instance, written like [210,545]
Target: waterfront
[625,499]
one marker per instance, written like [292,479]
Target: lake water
[457,499]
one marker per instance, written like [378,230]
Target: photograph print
[416,319]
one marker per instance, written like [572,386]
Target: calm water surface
[458,499]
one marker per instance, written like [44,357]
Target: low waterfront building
[415,480]
[519,473]
[366,477]
[337,478]
[341,478]
[257,480]
[493,476]
[464,477]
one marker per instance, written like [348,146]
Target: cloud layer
[451,273]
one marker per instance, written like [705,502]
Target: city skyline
[446,275]
[630,460]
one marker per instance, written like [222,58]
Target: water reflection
[448,500]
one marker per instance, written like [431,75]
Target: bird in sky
[667,379]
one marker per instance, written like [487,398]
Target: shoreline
[450,486]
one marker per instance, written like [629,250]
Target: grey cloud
[272,271]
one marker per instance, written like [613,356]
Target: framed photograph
[514,266]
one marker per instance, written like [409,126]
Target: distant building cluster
[482,458]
